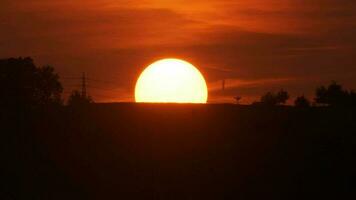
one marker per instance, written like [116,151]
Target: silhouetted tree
[333,95]
[302,102]
[282,97]
[273,99]
[48,88]
[22,83]
[269,99]
[77,99]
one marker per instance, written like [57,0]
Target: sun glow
[171,81]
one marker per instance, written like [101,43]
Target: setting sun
[171,81]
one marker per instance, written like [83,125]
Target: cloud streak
[235,40]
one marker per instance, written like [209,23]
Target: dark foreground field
[128,151]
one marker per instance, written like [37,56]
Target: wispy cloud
[240,83]
[248,43]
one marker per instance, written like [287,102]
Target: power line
[84,86]
[92,83]
[102,81]
[90,79]
[101,88]
[69,78]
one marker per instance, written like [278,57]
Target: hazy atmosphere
[177,99]
[254,45]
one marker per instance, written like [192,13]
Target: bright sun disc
[171,81]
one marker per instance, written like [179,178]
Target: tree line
[23,83]
[332,95]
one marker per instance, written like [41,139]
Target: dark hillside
[138,151]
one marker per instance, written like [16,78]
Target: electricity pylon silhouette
[84,86]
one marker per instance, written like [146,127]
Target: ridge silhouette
[141,151]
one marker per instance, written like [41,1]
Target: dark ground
[131,151]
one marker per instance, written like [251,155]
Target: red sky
[257,46]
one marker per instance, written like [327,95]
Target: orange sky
[256,45]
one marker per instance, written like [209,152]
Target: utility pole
[84,86]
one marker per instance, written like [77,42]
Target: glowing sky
[256,45]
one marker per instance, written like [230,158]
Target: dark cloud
[37,31]
[299,44]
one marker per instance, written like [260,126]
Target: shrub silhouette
[302,102]
[22,83]
[334,95]
[77,99]
[273,99]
